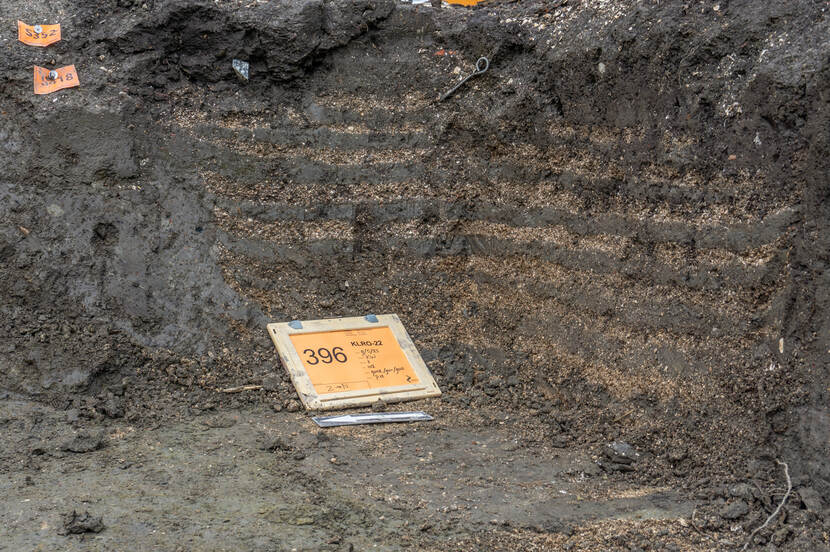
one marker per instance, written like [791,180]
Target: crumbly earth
[618,233]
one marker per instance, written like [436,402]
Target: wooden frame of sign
[348,362]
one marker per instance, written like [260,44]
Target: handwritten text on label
[47,82]
[349,360]
[38,35]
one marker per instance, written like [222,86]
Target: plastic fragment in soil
[241,68]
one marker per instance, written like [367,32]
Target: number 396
[323,354]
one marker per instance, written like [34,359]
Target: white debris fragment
[241,68]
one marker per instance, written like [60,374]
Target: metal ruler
[371,418]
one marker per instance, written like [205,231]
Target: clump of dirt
[617,234]
[76,524]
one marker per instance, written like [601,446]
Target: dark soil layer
[620,232]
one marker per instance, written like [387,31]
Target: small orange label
[38,35]
[351,360]
[47,81]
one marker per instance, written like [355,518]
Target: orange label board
[38,35]
[351,360]
[66,77]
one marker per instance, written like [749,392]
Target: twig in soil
[241,388]
[775,513]
[757,486]
[692,523]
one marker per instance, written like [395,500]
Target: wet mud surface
[259,480]
[618,234]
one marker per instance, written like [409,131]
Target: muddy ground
[618,234]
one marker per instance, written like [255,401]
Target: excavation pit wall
[621,229]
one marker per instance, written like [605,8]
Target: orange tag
[38,35]
[350,360]
[47,81]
